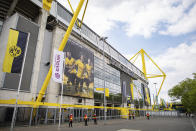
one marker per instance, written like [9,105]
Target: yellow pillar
[131,85]
[63,43]
[143,63]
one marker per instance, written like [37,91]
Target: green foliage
[186,92]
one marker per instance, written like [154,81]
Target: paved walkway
[139,124]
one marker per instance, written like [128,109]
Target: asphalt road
[119,125]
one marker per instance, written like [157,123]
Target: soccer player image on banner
[78,73]
[87,74]
[79,65]
[70,71]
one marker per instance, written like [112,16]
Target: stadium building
[91,63]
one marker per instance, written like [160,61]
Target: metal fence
[27,116]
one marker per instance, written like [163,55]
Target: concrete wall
[45,58]
[9,82]
[9,92]
[9,23]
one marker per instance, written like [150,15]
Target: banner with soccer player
[78,73]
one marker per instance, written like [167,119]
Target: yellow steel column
[143,63]
[135,55]
[83,13]
[161,84]
[131,85]
[63,43]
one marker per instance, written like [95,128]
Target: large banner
[78,73]
[57,66]
[15,51]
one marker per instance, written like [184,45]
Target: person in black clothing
[70,120]
[85,119]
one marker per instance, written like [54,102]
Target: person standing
[133,115]
[70,120]
[129,116]
[148,116]
[85,119]
[95,119]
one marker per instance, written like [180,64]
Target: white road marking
[127,130]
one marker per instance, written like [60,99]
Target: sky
[165,29]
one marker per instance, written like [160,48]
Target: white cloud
[141,17]
[185,25]
[178,63]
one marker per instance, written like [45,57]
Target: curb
[194,126]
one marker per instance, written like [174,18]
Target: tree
[186,92]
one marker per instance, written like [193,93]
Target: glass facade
[137,90]
[111,76]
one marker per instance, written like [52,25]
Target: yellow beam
[63,43]
[154,63]
[73,12]
[135,55]
[47,4]
[136,58]
[83,13]
[143,63]
[99,89]
[161,85]
[131,86]
[106,91]
[31,103]
[155,76]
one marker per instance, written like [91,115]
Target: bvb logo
[15,51]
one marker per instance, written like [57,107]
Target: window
[110,75]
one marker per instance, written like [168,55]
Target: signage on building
[79,70]
[57,68]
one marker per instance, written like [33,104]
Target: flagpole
[61,101]
[19,86]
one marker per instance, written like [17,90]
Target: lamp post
[156,99]
[103,39]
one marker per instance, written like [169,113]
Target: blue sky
[165,29]
[154,45]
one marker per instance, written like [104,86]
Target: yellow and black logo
[15,51]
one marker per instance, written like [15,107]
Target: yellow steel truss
[32,103]
[47,4]
[56,105]
[79,24]
[143,54]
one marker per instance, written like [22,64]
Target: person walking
[85,119]
[70,120]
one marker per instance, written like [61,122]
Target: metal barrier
[26,116]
